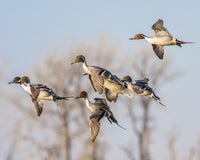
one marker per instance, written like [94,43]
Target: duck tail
[111,119]
[179,42]
[57,98]
[120,125]
[157,99]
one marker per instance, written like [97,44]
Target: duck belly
[162,41]
[145,93]
[45,96]
[114,87]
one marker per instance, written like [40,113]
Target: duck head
[25,79]
[82,94]
[127,79]
[15,80]
[79,58]
[137,36]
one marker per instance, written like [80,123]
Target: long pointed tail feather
[119,125]
[157,99]
[179,42]
[113,119]
[56,98]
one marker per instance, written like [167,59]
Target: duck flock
[104,82]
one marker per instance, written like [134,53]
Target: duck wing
[117,79]
[138,89]
[160,30]
[42,87]
[34,96]
[111,96]
[100,101]
[95,118]
[38,106]
[38,86]
[159,50]
[97,83]
[158,26]
[142,81]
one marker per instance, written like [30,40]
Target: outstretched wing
[37,103]
[38,106]
[159,50]
[92,83]
[111,96]
[160,30]
[97,83]
[158,26]
[95,118]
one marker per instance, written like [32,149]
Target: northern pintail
[38,92]
[161,38]
[99,109]
[101,79]
[141,87]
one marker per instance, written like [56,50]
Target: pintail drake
[38,93]
[141,87]
[101,79]
[99,109]
[161,38]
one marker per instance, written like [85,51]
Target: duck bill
[85,74]
[77,97]
[131,38]
[73,62]
[70,97]
[11,82]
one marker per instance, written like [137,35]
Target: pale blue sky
[29,28]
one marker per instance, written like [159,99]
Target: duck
[161,38]
[103,80]
[99,109]
[38,92]
[141,87]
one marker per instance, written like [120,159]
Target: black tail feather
[111,119]
[56,98]
[157,99]
[179,42]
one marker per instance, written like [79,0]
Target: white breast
[86,68]
[130,87]
[27,88]
[89,106]
[160,40]
[152,40]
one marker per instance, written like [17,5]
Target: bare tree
[64,126]
[62,131]
[144,65]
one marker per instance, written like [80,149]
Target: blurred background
[41,38]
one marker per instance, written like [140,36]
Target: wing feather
[97,82]
[111,96]
[95,124]
[159,50]
[100,101]
[38,106]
